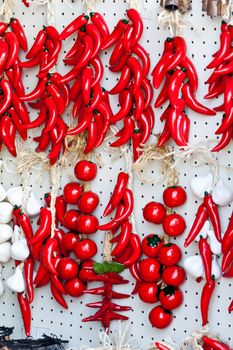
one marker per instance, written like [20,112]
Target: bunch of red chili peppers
[12,110]
[180,85]
[127,250]
[51,97]
[220,82]
[134,89]
[91,103]
[207,210]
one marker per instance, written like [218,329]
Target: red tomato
[170,298]
[173,275]
[74,287]
[159,317]
[87,224]
[151,244]
[85,170]
[174,196]
[85,249]
[148,292]
[170,254]
[88,202]
[72,192]
[71,219]
[68,241]
[154,212]
[149,270]
[174,225]
[87,271]
[67,269]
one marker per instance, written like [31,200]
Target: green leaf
[101,268]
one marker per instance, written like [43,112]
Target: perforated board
[202,39]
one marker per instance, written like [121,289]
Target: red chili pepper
[37,92]
[227,241]
[26,225]
[86,83]
[43,140]
[191,101]
[83,124]
[139,102]
[52,114]
[25,312]
[21,109]
[58,296]
[224,141]
[57,96]
[115,35]
[126,230]
[161,346]
[137,71]
[7,95]
[126,105]
[206,256]
[38,45]
[45,226]
[117,194]
[7,134]
[19,32]
[148,92]
[191,73]
[48,255]
[161,69]
[74,26]
[135,17]
[215,344]
[60,206]
[76,88]
[91,137]
[145,128]
[175,84]
[100,23]
[180,52]
[225,44]
[32,63]
[18,124]
[3,28]
[123,81]
[201,217]
[227,260]
[53,34]
[87,53]
[39,120]
[93,31]
[176,120]
[230,308]
[42,272]
[97,69]
[96,97]
[13,46]
[4,55]
[134,272]
[135,245]
[127,132]
[213,214]
[205,300]
[118,51]
[28,273]
[78,106]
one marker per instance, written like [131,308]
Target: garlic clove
[5,252]
[16,282]
[2,193]
[20,250]
[215,245]
[216,271]
[201,184]
[33,205]
[6,232]
[15,195]
[203,231]
[6,212]
[194,266]
[222,194]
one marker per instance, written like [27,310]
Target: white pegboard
[202,39]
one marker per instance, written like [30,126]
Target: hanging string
[7,10]
[173,20]
[90,5]
[139,5]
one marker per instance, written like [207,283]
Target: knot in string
[90,5]
[172,20]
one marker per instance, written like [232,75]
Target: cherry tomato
[154,212]
[85,249]
[149,270]
[72,192]
[67,269]
[170,254]
[151,245]
[174,196]
[148,292]
[87,224]
[173,275]
[88,202]
[74,287]
[160,318]
[71,219]
[68,241]
[174,225]
[85,170]
[170,297]
[87,271]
